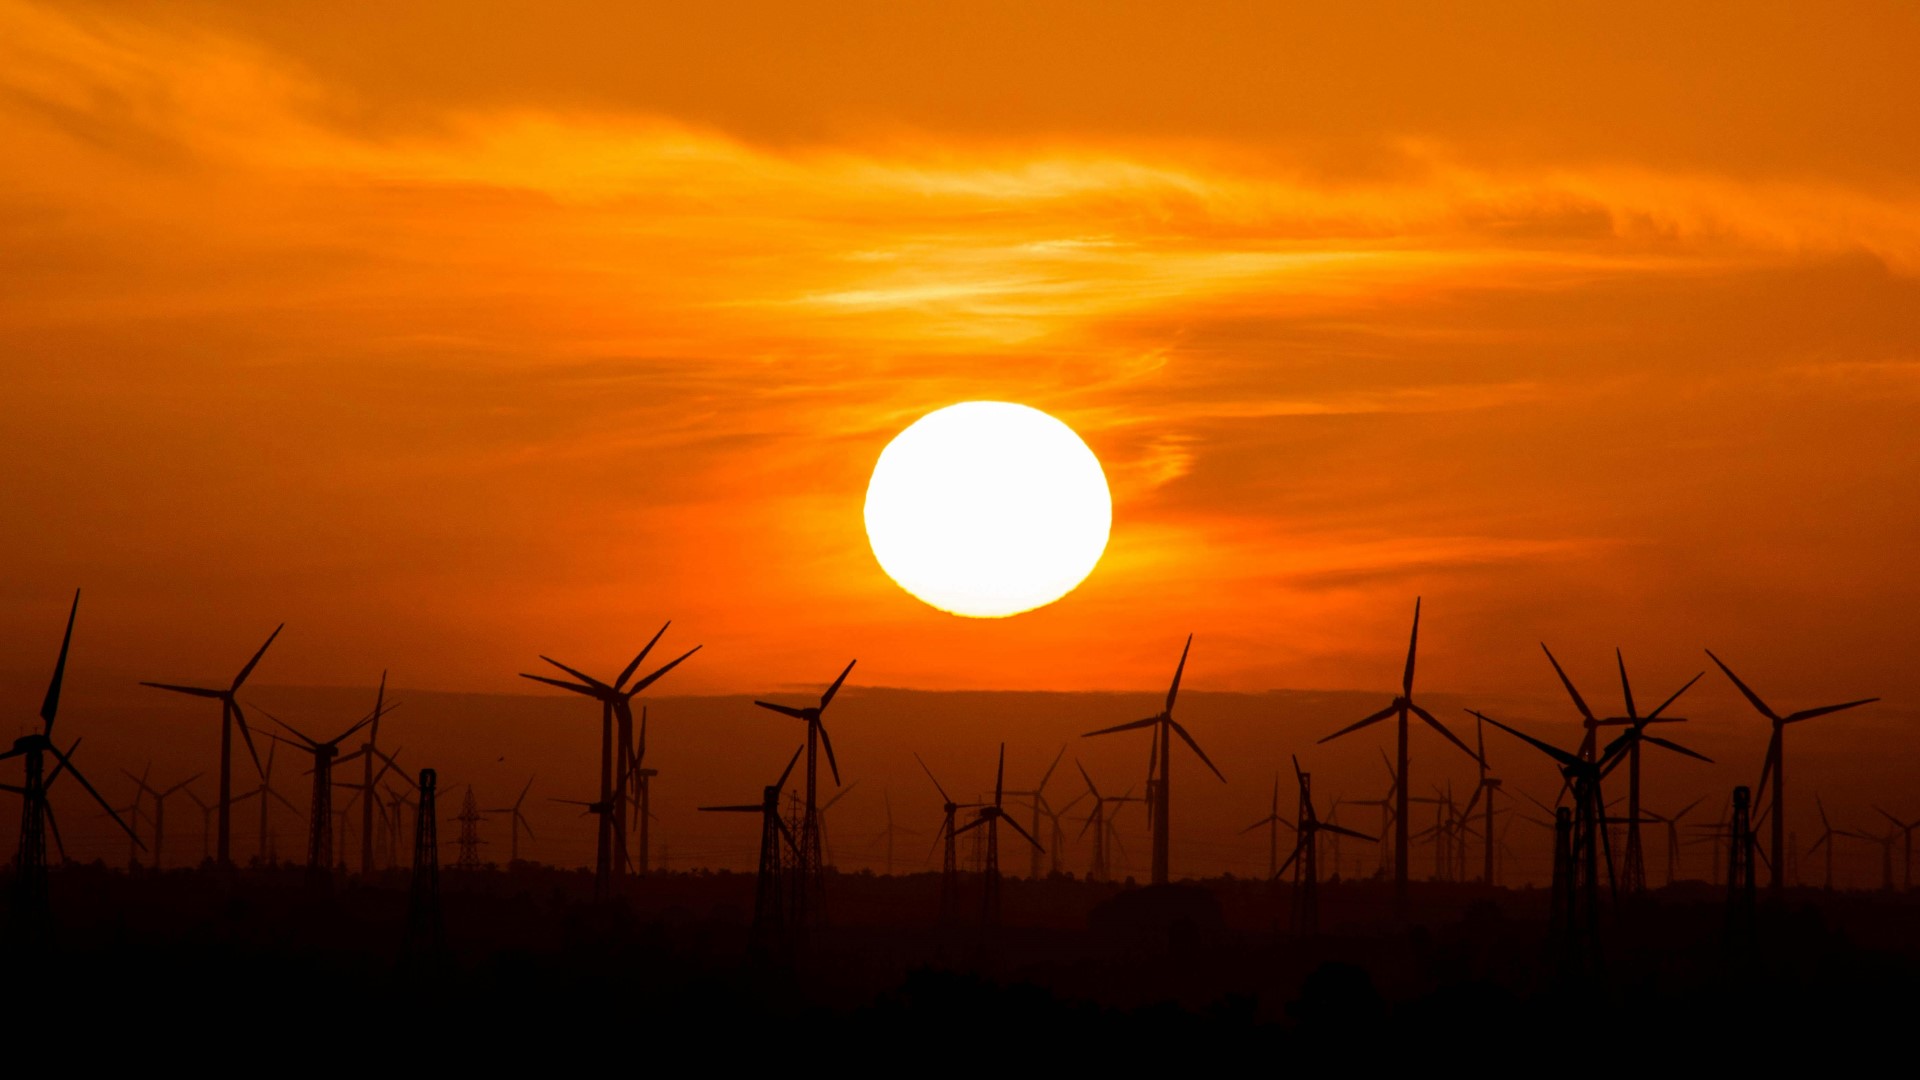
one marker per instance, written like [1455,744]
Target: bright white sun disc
[987,509]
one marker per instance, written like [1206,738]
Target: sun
[988,509]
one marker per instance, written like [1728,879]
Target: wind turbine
[36,813]
[1827,833]
[642,800]
[517,820]
[1306,878]
[949,867]
[1588,831]
[1635,871]
[616,706]
[1164,728]
[230,715]
[265,789]
[826,835]
[1906,831]
[1775,769]
[159,815]
[1101,822]
[991,816]
[1272,821]
[770,912]
[1400,707]
[886,835]
[1488,787]
[1037,797]
[320,822]
[1672,822]
[368,753]
[810,869]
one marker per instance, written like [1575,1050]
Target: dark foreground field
[147,966]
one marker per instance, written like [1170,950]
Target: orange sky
[458,335]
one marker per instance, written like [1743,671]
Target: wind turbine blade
[1655,714]
[246,733]
[577,673]
[1413,645]
[248,670]
[1173,691]
[1122,727]
[944,797]
[576,688]
[826,743]
[970,826]
[1626,688]
[1188,739]
[1578,702]
[1305,839]
[82,779]
[1442,729]
[53,823]
[1374,719]
[1344,831]
[523,794]
[827,698]
[1766,765]
[1022,832]
[1548,749]
[1808,714]
[290,727]
[1677,748]
[1088,779]
[784,710]
[627,672]
[1268,820]
[1751,696]
[1048,775]
[181,784]
[1824,823]
[50,705]
[1000,775]
[664,668]
[840,795]
[196,691]
[788,771]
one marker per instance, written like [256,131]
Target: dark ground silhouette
[535,968]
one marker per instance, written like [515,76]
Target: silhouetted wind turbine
[1100,820]
[1588,830]
[949,866]
[159,815]
[1827,833]
[810,868]
[886,835]
[36,813]
[1037,797]
[517,820]
[1305,856]
[991,816]
[1672,822]
[616,705]
[1164,728]
[265,789]
[320,822]
[770,912]
[1272,821]
[1400,707]
[230,715]
[368,753]
[1906,831]
[1774,770]
[1635,871]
